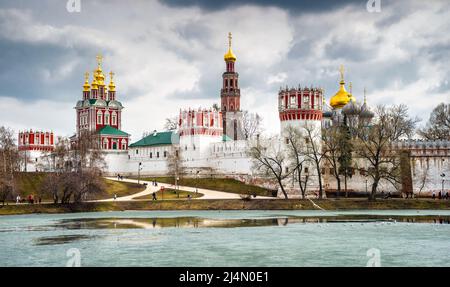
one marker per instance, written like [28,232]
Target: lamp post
[139,172]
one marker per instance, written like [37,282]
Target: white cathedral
[210,142]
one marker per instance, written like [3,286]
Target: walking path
[207,193]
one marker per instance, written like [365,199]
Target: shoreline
[228,204]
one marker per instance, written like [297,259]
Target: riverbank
[229,204]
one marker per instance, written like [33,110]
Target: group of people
[119,176]
[441,195]
[30,199]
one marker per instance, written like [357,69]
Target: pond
[227,238]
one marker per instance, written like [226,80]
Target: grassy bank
[221,184]
[230,204]
[29,183]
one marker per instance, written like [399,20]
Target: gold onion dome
[94,84]
[86,85]
[112,85]
[98,73]
[342,97]
[229,56]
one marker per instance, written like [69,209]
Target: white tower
[302,110]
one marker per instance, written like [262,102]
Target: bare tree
[374,144]
[251,124]
[77,169]
[175,164]
[9,163]
[270,160]
[438,126]
[424,177]
[313,150]
[216,107]
[171,124]
[336,150]
[297,160]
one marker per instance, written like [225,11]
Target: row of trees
[309,146]
[76,168]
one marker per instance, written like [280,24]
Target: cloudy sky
[168,55]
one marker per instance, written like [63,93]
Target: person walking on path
[434,195]
[154,196]
[115,196]
[18,199]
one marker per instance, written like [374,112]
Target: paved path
[207,193]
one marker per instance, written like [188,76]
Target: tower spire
[341,71]
[229,56]
[99,58]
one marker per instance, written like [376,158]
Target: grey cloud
[294,6]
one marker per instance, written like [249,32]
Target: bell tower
[230,96]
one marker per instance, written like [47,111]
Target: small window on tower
[157,154]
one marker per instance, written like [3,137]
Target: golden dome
[341,98]
[98,73]
[94,84]
[86,85]
[112,86]
[229,56]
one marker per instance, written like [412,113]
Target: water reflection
[199,222]
[61,239]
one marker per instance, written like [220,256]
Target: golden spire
[229,56]
[341,70]
[350,87]
[86,85]
[99,58]
[112,86]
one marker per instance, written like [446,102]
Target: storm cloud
[168,55]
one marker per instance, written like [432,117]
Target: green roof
[109,130]
[226,138]
[159,138]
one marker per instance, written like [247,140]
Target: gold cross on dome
[229,39]
[99,58]
[341,70]
[111,74]
[86,76]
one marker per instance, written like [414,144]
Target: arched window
[99,118]
[114,119]
[106,118]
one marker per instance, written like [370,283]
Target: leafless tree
[424,177]
[175,164]
[171,124]
[9,163]
[374,144]
[251,124]
[297,160]
[269,160]
[313,150]
[77,169]
[438,126]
